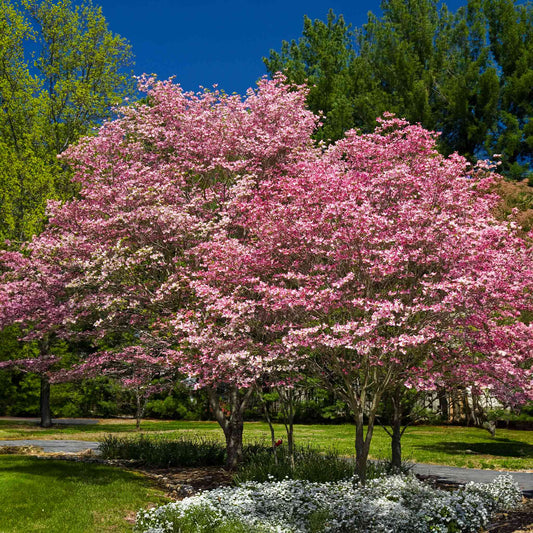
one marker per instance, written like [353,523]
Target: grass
[57,496]
[447,445]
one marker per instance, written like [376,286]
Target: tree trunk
[233,434]
[139,410]
[396,437]
[290,442]
[288,408]
[469,416]
[46,415]
[362,440]
[232,425]
[480,416]
[271,426]
[443,404]
[362,445]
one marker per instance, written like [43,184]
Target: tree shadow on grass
[129,427]
[89,474]
[497,447]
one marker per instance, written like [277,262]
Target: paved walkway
[54,446]
[453,474]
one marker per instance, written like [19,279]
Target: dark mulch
[181,482]
[518,521]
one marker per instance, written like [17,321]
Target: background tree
[466,74]
[61,73]
[322,58]
[141,373]
[510,29]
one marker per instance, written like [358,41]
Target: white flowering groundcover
[388,504]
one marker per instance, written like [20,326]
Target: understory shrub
[395,504]
[163,451]
[260,464]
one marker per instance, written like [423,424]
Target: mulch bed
[179,483]
[517,521]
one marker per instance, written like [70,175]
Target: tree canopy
[61,73]
[468,75]
[211,233]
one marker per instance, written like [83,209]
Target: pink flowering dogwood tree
[32,295]
[155,186]
[133,367]
[379,265]
[211,231]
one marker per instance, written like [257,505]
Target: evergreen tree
[467,74]
[323,58]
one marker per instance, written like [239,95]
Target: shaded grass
[447,445]
[89,432]
[58,496]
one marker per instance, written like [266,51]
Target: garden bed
[181,482]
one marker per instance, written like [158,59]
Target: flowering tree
[136,370]
[210,231]
[385,267]
[155,185]
[33,295]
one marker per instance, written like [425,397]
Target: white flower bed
[389,504]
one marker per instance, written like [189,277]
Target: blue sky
[208,42]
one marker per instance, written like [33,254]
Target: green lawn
[59,496]
[449,445]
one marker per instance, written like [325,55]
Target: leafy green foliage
[467,74]
[163,451]
[322,57]
[310,463]
[61,72]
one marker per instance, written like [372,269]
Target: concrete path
[453,474]
[54,446]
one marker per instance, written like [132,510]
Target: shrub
[309,463]
[384,467]
[164,452]
[396,504]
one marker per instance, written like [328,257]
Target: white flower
[395,504]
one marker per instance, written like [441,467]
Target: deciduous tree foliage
[381,264]
[136,370]
[154,187]
[212,232]
[61,73]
